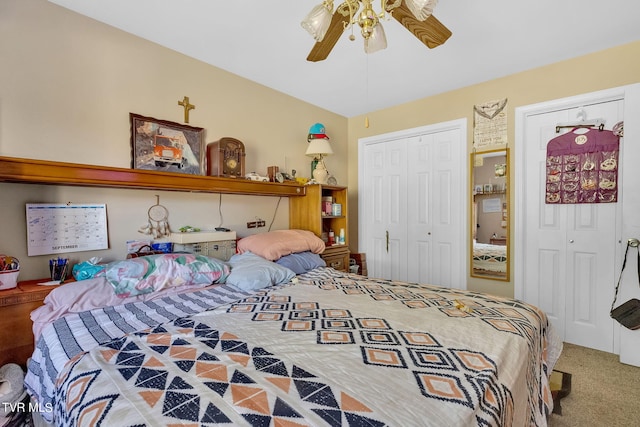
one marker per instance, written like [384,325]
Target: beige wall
[602,70]
[67,85]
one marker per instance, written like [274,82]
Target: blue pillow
[251,272]
[302,262]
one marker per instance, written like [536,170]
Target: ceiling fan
[326,25]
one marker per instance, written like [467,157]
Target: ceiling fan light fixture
[414,15]
[421,9]
[367,20]
[317,21]
[377,41]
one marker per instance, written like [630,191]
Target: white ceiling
[263,41]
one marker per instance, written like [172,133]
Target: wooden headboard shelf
[31,171]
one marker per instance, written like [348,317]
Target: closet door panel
[569,249]
[549,290]
[375,206]
[396,202]
[423,271]
[446,214]
[397,259]
[420,249]
[591,248]
[377,251]
[583,299]
[545,236]
[444,269]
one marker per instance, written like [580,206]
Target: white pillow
[251,272]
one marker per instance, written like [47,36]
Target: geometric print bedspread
[334,349]
[490,257]
[77,333]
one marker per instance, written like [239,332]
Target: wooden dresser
[16,333]
[501,241]
[336,257]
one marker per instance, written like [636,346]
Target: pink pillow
[275,244]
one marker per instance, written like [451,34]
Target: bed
[315,347]
[489,259]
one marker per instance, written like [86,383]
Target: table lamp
[318,148]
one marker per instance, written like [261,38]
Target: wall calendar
[61,228]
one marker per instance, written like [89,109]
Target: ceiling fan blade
[431,32]
[322,49]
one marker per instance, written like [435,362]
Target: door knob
[571,241]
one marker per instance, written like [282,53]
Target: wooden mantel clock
[225,157]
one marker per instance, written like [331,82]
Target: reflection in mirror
[490,214]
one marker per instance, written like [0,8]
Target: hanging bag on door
[628,313]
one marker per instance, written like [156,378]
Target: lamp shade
[376,41]
[421,9]
[317,21]
[319,147]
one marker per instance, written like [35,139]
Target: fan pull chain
[366,117]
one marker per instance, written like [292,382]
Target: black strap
[631,243]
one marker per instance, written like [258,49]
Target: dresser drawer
[335,262]
[336,257]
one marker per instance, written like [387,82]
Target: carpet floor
[604,392]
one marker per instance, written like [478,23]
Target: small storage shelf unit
[306,213]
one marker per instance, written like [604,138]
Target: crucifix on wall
[187,107]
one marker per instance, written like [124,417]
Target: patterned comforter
[488,257]
[332,349]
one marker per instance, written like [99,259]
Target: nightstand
[336,257]
[16,328]
[501,241]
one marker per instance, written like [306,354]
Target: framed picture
[491,205]
[166,146]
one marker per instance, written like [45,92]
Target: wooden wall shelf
[13,169]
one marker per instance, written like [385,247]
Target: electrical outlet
[260,223]
[252,224]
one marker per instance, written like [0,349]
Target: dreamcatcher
[158,226]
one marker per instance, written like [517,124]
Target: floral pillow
[151,273]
